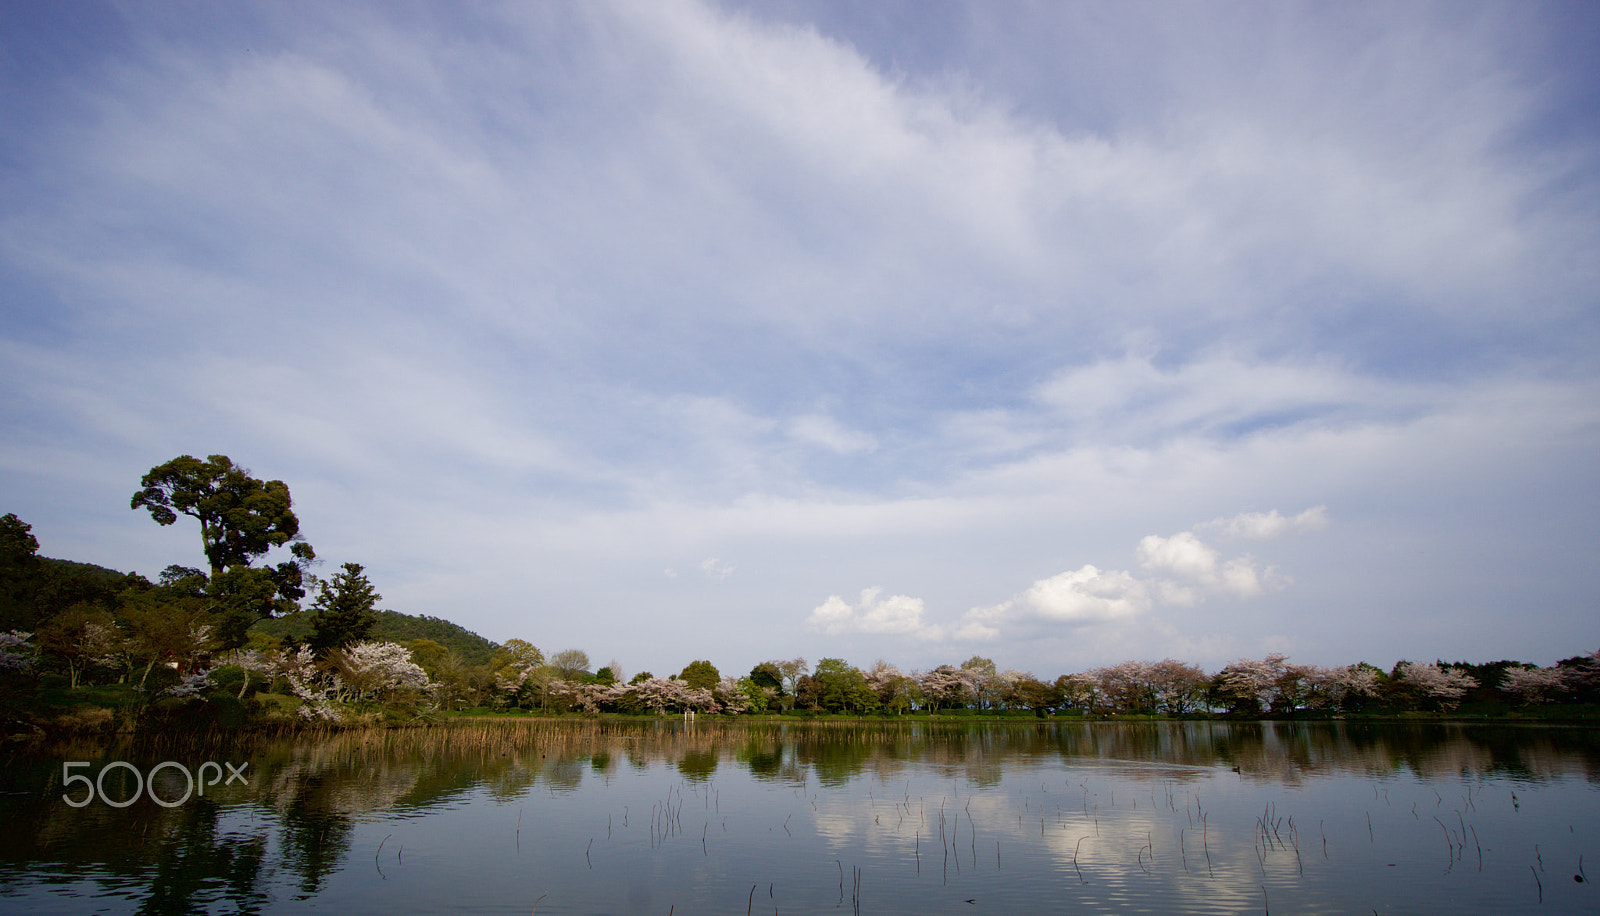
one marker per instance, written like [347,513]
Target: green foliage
[79,638]
[164,626]
[392,626]
[19,572]
[345,610]
[572,664]
[701,674]
[516,655]
[755,695]
[767,675]
[241,517]
[839,687]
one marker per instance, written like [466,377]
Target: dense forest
[246,641]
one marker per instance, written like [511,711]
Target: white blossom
[370,669]
[1446,685]
[191,685]
[1535,685]
[16,653]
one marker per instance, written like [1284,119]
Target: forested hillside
[393,626]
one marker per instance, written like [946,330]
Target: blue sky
[1058,333]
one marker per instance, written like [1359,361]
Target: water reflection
[1113,804]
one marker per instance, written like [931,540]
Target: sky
[1057,333]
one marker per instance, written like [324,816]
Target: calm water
[666,817]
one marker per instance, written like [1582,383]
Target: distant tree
[1534,685]
[745,695]
[895,691]
[1435,685]
[1180,687]
[429,655]
[1582,677]
[767,675]
[946,687]
[517,655]
[805,693]
[345,610]
[1248,684]
[1345,687]
[701,674]
[570,664]
[1031,693]
[840,687]
[791,671]
[17,543]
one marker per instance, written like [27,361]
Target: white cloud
[1201,569]
[715,569]
[1267,526]
[1183,554]
[1089,595]
[1078,597]
[897,614]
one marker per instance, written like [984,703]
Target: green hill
[394,626]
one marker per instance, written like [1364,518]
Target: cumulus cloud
[1187,571]
[1199,564]
[896,614]
[1183,553]
[1086,595]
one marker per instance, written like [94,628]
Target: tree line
[238,636]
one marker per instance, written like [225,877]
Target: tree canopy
[241,517]
[345,610]
[701,674]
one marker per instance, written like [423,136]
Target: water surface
[669,816]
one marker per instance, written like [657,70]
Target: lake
[677,817]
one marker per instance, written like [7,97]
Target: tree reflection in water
[298,823]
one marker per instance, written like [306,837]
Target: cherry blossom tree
[1252,683]
[1332,688]
[375,670]
[895,690]
[946,687]
[660,693]
[1079,691]
[1180,685]
[1534,685]
[16,652]
[1443,686]
[1125,687]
